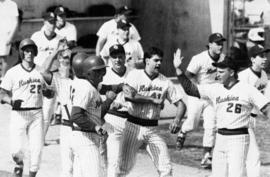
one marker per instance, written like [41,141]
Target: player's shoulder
[135,72]
[37,35]
[244,72]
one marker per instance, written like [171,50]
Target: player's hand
[16,104]
[174,126]
[62,45]
[100,131]
[128,90]
[110,95]
[177,58]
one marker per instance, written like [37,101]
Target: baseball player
[47,41]
[86,115]
[201,71]
[9,22]
[233,102]
[133,48]
[25,83]
[257,77]
[109,29]
[144,112]
[116,75]
[65,28]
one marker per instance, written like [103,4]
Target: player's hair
[152,51]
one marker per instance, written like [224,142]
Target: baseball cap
[49,16]
[257,50]
[256,34]
[216,37]
[124,10]
[226,63]
[123,24]
[60,11]
[116,49]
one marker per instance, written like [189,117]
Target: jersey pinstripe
[201,66]
[159,88]
[25,85]
[233,106]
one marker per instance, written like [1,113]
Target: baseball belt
[236,131]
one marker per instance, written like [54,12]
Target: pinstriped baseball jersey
[159,88]
[201,65]
[248,76]
[25,85]
[233,105]
[62,89]
[86,96]
[111,78]
[45,46]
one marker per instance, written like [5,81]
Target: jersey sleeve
[257,98]
[173,95]
[132,78]
[103,31]
[207,91]
[73,33]
[243,77]
[7,81]
[194,65]
[134,34]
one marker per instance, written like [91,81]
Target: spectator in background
[64,28]
[133,49]
[8,25]
[109,29]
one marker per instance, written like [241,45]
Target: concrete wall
[170,24]
[35,8]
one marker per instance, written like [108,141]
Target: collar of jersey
[258,74]
[119,74]
[151,77]
[50,37]
[229,87]
[27,69]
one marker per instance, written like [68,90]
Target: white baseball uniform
[201,66]
[133,50]
[115,137]
[8,14]
[136,134]
[108,30]
[233,107]
[85,145]
[45,48]
[69,31]
[26,85]
[253,158]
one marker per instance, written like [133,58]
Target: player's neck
[28,65]
[256,68]
[229,83]
[213,55]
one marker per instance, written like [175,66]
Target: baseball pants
[195,108]
[229,156]
[134,137]
[87,156]
[48,110]
[114,143]
[253,162]
[28,123]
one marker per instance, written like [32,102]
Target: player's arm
[5,96]
[13,29]
[110,96]
[266,110]
[180,113]
[189,87]
[191,76]
[100,44]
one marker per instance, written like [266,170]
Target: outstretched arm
[190,88]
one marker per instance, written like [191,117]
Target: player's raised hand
[177,58]
[110,95]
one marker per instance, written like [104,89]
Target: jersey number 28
[35,88]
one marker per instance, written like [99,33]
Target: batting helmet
[93,62]
[27,42]
[77,64]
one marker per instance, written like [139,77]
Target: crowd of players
[110,102]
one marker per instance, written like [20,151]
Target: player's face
[223,75]
[259,61]
[153,64]
[216,47]
[49,27]
[123,33]
[118,61]
[29,54]
[60,21]
[96,76]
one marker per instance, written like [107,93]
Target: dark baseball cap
[123,24]
[216,37]
[257,50]
[60,11]
[49,16]
[116,49]
[226,63]
[124,10]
